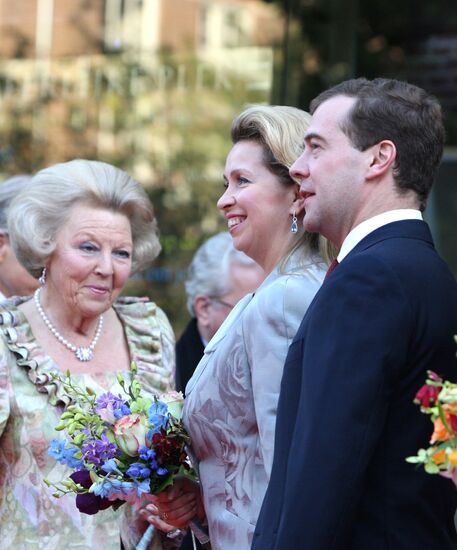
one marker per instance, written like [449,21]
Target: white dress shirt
[368,226]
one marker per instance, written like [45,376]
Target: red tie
[331,267]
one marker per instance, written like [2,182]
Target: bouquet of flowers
[121,448]
[438,398]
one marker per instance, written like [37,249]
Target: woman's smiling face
[92,260]
[257,205]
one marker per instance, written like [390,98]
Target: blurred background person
[14,279]
[231,401]
[218,277]
[84,243]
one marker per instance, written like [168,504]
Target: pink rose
[130,433]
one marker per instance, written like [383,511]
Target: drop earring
[42,278]
[294,224]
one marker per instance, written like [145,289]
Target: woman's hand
[176,506]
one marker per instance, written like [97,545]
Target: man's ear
[201,304]
[383,158]
[4,245]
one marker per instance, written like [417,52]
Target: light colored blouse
[31,403]
[231,400]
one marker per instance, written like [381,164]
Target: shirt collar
[368,226]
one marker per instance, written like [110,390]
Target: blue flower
[57,450]
[146,453]
[64,455]
[122,410]
[162,471]
[123,487]
[110,466]
[70,460]
[142,487]
[103,488]
[137,469]
[158,417]
[149,455]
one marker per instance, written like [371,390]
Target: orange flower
[439,432]
[438,458]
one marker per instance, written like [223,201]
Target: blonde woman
[231,402]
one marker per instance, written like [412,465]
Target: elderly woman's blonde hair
[37,214]
[281,130]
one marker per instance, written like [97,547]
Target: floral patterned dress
[31,403]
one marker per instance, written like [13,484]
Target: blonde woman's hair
[280,130]
[37,214]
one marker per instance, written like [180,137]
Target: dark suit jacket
[189,351]
[346,419]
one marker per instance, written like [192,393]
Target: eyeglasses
[223,303]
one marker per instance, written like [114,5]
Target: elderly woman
[84,227]
[231,402]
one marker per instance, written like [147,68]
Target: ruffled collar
[135,316]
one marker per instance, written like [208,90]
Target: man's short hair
[405,114]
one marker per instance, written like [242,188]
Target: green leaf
[79,438]
[431,468]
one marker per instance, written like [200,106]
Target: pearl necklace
[82,353]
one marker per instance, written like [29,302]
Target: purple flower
[106,405]
[88,503]
[96,451]
[107,399]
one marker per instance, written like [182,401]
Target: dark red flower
[427,396]
[88,503]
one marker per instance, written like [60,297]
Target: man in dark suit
[386,314]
